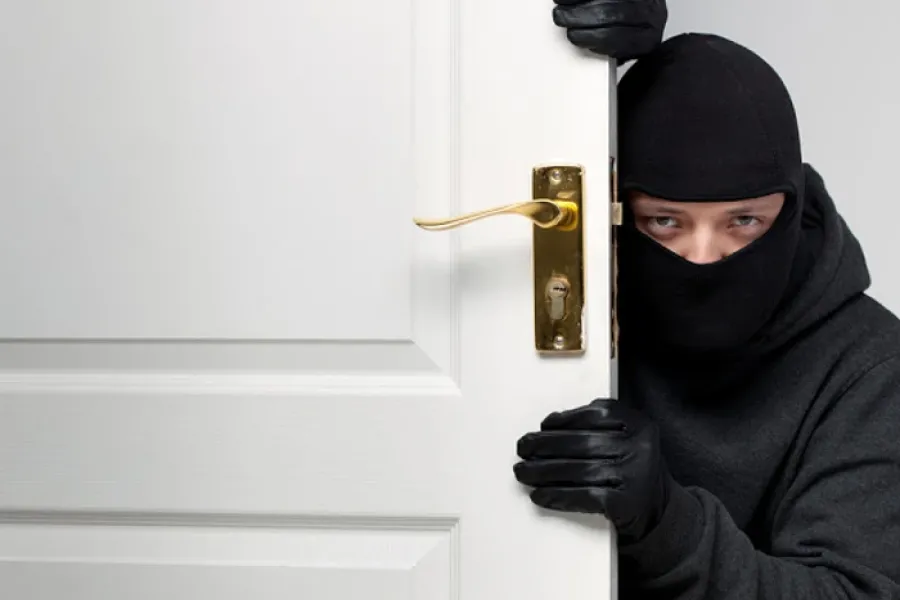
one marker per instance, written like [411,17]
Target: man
[755,450]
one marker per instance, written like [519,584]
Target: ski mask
[705,119]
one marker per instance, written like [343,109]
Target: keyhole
[557,291]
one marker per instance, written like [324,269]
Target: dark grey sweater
[788,461]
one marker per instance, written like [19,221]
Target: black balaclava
[706,119]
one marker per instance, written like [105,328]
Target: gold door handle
[557,211]
[543,212]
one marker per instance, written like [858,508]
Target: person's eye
[662,222]
[746,221]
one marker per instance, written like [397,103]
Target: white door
[232,367]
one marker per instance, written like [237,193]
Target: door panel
[182,169]
[231,366]
[157,557]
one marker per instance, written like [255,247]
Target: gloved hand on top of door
[620,29]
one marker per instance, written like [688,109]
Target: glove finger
[582,500]
[615,43]
[609,13]
[601,415]
[568,472]
[570,444]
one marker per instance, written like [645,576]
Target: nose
[703,248]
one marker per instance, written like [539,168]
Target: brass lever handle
[557,211]
[545,213]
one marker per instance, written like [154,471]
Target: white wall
[841,64]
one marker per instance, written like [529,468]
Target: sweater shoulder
[862,335]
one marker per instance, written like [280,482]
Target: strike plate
[559,265]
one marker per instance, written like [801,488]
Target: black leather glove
[621,29]
[601,458]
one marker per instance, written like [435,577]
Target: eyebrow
[662,208]
[752,207]
[737,209]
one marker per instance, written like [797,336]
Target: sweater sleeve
[835,534]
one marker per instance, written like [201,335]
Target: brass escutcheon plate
[559,265]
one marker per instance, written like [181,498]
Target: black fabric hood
[831,267]
[829,271]
[705,119]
